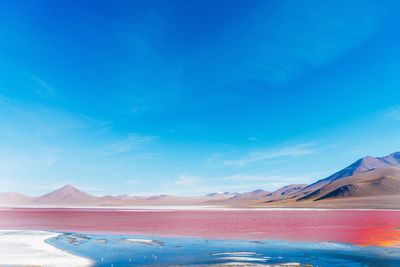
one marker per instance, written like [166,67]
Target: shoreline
[189,208]
[246,255]
[35,249]
[30,248]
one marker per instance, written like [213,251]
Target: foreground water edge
[147,250]
[138,237]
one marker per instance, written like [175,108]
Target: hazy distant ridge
[368,182]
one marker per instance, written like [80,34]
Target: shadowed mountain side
[287,191]
[259,196]
[384,181]
[365,164]
[256,194]
[378,188]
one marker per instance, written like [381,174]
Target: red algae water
[358,227]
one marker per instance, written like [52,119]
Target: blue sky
[191,97]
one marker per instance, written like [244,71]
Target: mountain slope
[258,196]
[362,165]
[382,181]
[287,190]
[66,195]
[12,198]
[366,164]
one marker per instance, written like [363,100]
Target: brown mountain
[221,195]
[11,198]
[287,190]
[258,196]
[66,195]
[371,182]
[376,182]
[246,198]
[163,200]
[362,165]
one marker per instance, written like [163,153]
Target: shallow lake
[128,250]
[133,237]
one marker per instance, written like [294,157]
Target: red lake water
[358,227]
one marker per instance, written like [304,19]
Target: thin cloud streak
[192,185]
[392,113]
[268,155]
[133,141]
[43,86]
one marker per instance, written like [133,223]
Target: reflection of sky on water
[122,250]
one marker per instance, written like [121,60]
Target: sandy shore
[28,248]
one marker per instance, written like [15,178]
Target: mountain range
[370,182]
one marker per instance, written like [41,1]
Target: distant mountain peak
[68,187]
[392,159]
[366,164]
[258,191]
[287,190]
[252,194]
[67,193]
[219,193]
[362,165]
[395,154]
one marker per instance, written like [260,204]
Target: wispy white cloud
[250,177]
[273,154]
[214,157]
[186,180]
[95,121]
[44,117]
[8,104]
[182,183]
[294,49]
[192,185]
[36,116]
[133,141]
[186,185]
[392,113]
[132,182]
[43,87]
[273,181]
